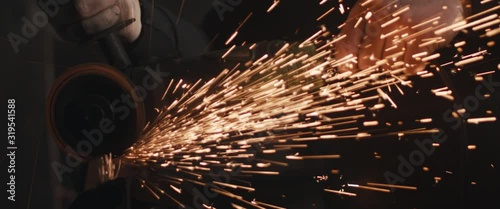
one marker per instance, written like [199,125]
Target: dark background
[27,76]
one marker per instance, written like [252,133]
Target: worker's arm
[98,15]
[152,34]
[403,30]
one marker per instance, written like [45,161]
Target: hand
[396,30]
[98,15]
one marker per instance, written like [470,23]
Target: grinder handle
[112,45]
[114,50]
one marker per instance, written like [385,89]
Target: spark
[232,37]
[485,25]
[481,120]
[235,186]
[485,73]
[325,14]
[460,44]
[425,120]
[358,22]
[493,32]
[369,188]
[176,189]
[370,123]
[368,15]
[386,97]
[268,205]
[477,22]
[392,186]
[228,51]
[479,14]
[431,57]
[341,8]
[274,5]
[393,20]
[308,40]
[341,192]
[235,33]
[401,11]
[468,61]
[419,54]
[366,3]
[450,27]
[294,157]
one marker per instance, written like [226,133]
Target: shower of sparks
[258,120]
[108,169]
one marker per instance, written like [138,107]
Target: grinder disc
[92,110]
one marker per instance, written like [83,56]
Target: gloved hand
[374,31]
[98,15]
